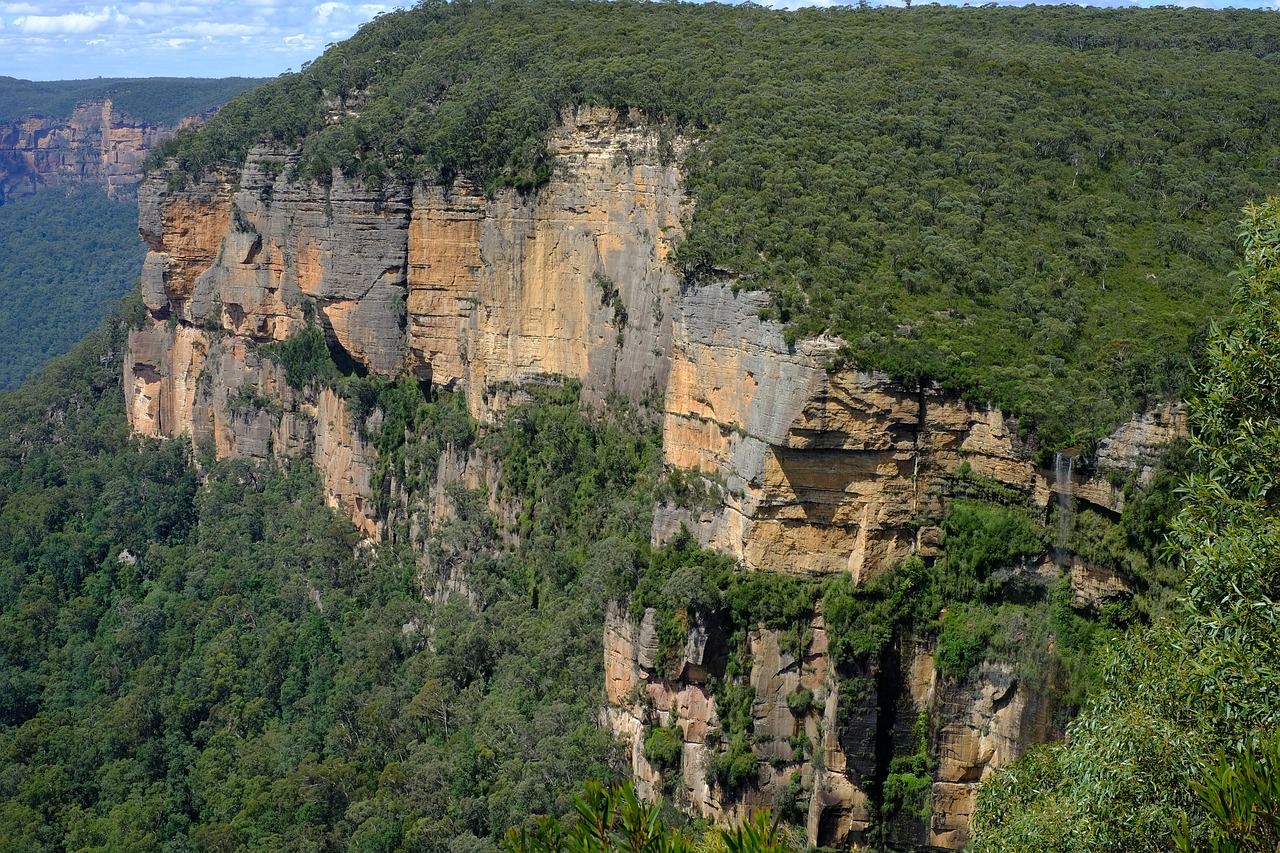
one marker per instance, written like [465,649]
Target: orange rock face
[810,471]
[457,288]
[840,471]
[96,145]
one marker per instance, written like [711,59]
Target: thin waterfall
[1062,465]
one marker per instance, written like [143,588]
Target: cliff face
[573,281]
[459,289]
[975,726]
[786,744]
[96,145]
[842,471]
[813,471]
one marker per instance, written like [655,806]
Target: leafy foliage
[612,820]
[68,256]
[1241,799]
[1139,767]
[203,661]
[908,786]
[662,747]
[980,540]
[609,819]
[910,179]
[304,357]
[158,100]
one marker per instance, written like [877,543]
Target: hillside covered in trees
[155,100]
[1178,749]
[199,657]
[69,245]
[1033,206]
[66,255]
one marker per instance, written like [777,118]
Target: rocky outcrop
[644,694]
[845,470]
[975,726]
[981,725]
[214,388]
[811,470]
[572,281]
[95,145]
[458,288]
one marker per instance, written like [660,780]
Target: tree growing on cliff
[1144,760]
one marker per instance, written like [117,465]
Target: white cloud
[325,11]
[77,22]
[155,10]
[214,30]
[19,9]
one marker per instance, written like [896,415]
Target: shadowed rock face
[975,727]
[96,145]
[811,471]
[827,471]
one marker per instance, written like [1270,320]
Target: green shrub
[734,767]
[613,820]
[979,539]
[664,746]
[907,794]
[305,358]
[800,702]
[966,635]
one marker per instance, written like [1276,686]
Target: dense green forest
[157,100]
[1179,744]
[203,659]
[198,655]
[67,254]
[1034,206]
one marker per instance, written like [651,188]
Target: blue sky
[57,40]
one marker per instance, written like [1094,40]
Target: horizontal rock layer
[457,288]
[830,471]
[95,145]
[810,470]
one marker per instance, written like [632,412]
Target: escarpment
[796,468]
[840,471]
[455,288]
[95,145]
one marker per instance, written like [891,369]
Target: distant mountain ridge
[67,253]
[154,100]
[95,131]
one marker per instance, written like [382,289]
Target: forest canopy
[66,255]
[157,100]
[1186,700]
[1032,206]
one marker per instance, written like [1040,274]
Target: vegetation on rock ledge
[1031,206]
[1143,763]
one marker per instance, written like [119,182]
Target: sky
[58,40]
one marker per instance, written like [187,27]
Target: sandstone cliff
[812,471]
[459,289]
[95,145]
[846,470]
